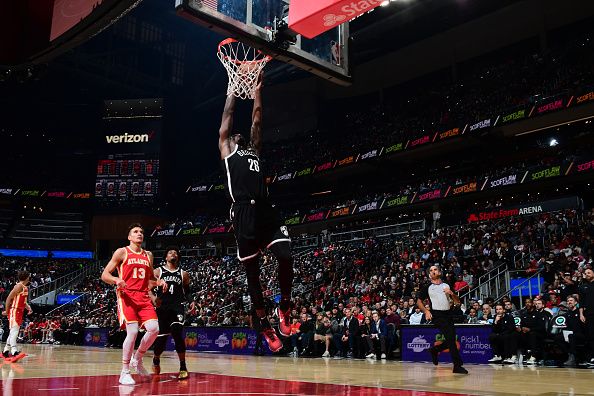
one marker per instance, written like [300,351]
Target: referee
[441,316]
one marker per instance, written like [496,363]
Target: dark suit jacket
[383,327]
[353,326]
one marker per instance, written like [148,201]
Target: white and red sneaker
[15,357]
[274,343]
[284,321]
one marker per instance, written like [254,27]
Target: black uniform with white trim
[255,221]
[171,310]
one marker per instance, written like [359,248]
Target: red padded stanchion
[313,17]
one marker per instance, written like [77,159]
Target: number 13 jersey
[244,177]
[134,270]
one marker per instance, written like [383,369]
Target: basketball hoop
[243,64]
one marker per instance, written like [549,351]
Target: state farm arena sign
[526,209]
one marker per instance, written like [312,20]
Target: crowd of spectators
[42,271]
[377,281]
[436,103]
[377,193]
[350,299]
[381,287]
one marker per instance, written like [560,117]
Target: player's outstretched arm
[226,126]
[9,300]
[256,133]
[118,258]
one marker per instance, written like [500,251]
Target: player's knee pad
[152,326]
[131,329]
[180,343]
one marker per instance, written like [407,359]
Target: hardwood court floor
[66,370]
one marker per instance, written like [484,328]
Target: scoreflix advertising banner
[472,341]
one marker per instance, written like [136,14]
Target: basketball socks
[128,346]
[152,331]
[11,342]
[182,365]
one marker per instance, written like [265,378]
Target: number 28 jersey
[134,270]
[243,176]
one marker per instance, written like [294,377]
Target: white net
[243,64]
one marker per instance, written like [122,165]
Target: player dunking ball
[16,303]
[135,308]
[255,222]
[170,310]
[441,316]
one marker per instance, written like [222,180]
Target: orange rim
[230,40]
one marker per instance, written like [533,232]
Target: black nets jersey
[244,176]
[175,294]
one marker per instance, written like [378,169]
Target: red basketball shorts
[15,318]
[135,307]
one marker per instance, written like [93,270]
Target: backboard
[255,22]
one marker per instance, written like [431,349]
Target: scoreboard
[127,179]
[128,168]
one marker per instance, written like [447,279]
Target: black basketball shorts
[257,227]
[170,316]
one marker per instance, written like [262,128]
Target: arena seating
[50,226]
[310,205]
[370,275]
[407,111]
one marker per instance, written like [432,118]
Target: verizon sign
[129,138]
[311,18]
